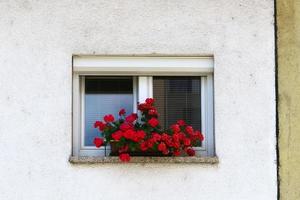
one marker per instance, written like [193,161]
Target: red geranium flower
[109,118]
[135,138]
[156,137]
[198,135]
[153,112]
[125,126]
[176,145]
[169,142]
[100,125]
[165,137]
[153,122]
[131,118]
[98,142]
[187,142]
[189,130]
[129,134]
[181,122]
[175,128]
[144,146]
[144,106]
[176,137]
[117,135]
[162,147]
[150,143]
[181,136]
[141,134]
[124,157]
[190,152]
[122,112]
[149,101]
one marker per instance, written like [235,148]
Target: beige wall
[289,97]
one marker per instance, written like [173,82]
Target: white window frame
[142,68]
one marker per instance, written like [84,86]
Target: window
[181,86]
[103,95]
[178,98]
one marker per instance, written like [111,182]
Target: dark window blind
[178,98]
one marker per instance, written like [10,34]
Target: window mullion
[135,93]
[145,88]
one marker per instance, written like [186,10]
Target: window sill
[144,160]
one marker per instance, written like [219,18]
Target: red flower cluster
[100,125]
[98,142]
[132,133]
[153,122]
[109,118]
[124,157]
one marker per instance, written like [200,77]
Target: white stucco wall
[38,39]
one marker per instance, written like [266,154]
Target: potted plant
[141,135]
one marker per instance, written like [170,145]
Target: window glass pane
[105,95]
[178,98]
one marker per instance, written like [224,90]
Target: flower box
[114,151]
[141,135]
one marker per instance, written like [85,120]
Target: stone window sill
[144,160]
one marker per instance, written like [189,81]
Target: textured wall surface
[289,97]
[38,39]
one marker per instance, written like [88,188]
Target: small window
[182,88]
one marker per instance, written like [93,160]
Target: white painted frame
[143,69]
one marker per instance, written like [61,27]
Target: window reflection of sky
[98,105]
